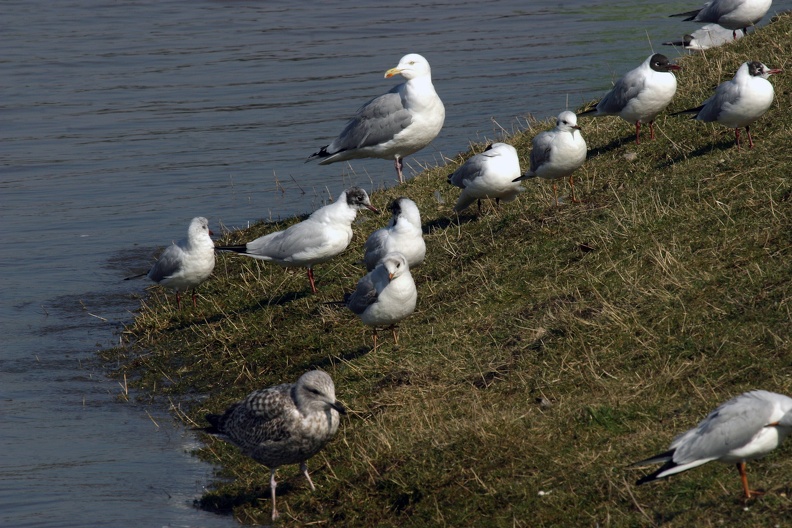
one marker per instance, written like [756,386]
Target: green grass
[550,348]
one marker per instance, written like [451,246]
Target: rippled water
[123,120]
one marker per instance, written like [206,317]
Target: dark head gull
[489,174]
[403,234]
[731,14]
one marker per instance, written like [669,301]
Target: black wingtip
[321,154]
[137,276]
[236,249]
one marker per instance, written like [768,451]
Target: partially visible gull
[641,94]
[318,238]
[744,428]
[386,295]
[403,234]
[187,263]
[706,37]
[739,102]
[284,424]
[393,125]
[731,14]
[489,174]
[557,153]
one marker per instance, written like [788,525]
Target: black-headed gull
[731,14]
[641,94]
[489,174]
[318,238]
[706,37]
[187,263]
[739,102]
[557,153]
[403,234]
[284,424]
[386,295]
[744,428]
[393,125]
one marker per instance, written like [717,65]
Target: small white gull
[744,428]
[187,263]
[403,234]
[318,238]
[393,125]
[385,296]
[706,37]
[641,94]
[740,101]
[557,153]
[489,174]
[284,424]
[731,14]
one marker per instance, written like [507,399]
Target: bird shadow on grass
[223,503]
[711,148]
[613,145]
[327,362]
[444,223]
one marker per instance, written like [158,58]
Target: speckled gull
[318,238]
[739,102]
[385,296]
[403,234]
[640,95]
[284,424]
[731,14]
[489,174]
[187,263]
[393,125]
[557,153]
[706,37]
[744,428]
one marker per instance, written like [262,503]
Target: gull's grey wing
[376,122]
[169,262]
[283,245]
[730,426]
[713,10]
[622,92]
[726,93]
[468,171]
[541,147]
[365,294]
[375,248]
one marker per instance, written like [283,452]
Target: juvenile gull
[557,153]
[706,37]
[489,174]
[641,94]
[739,102]
[188,262]
[403,234]
[386,295]
[731,14]
[744,428]
[284,424]
[318,238]
[393,125]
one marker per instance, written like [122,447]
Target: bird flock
[289,423]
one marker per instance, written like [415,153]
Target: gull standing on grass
[744,428]
[187,263]
[557,153]
[385,296]
[318,238]
[403,234]
[739,102]
[393,125]
[641,94]
[706,37]
[731,14]
[489,174]
[284,424]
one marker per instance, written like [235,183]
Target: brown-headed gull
[739,102]
[640,95]
[403,234]
[744,428]
[187,263]
[731,14]
[386,295]
[318,238]
[393,125]
[557,153]
[489,174]
[284,424]
[706,37]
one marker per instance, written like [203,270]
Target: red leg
[737,137]
[572,186]
[651,130]
[311,280]
[178,300]
[750,139]
[638,132]
[194,303]
[398,164]
[555,193]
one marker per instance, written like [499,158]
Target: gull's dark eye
[313,391]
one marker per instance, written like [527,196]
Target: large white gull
[744,428]
[393,125]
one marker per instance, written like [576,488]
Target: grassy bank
[550,348]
